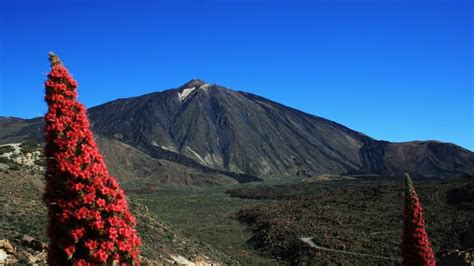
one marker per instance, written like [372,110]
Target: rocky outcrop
[23,250]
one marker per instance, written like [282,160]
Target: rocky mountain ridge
[242,135]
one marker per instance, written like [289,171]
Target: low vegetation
[263,224]
[363,217]
[207,216]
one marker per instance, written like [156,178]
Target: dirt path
[309,241]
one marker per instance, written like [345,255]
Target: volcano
[227,132]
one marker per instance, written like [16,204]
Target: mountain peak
[185,90]
[219,128]
[194,83]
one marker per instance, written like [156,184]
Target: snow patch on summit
[204,86]
[185,93]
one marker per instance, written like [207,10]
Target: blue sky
[394,70]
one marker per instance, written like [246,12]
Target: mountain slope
[428,158]
[231,130]
[205,126]
[241,132]
[15,130]
[140,172]
[134,169]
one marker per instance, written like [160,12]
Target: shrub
[6,149]
[29,146]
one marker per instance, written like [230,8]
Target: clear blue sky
[395,70]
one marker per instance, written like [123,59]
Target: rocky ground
[354,221]
[23,221]
[325,220]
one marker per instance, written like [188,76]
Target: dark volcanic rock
[241,132]
[13,129]
[207,126]
[229,130]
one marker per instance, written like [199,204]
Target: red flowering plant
[416,247]
[89,220]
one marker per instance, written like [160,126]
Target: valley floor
[349,221]
[207,216]
[266,223]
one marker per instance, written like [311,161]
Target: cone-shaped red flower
[89,220]
[416,247]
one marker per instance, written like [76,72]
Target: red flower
[124,246]
[99,182]
[86,205]
[113,233]
[90,244]
[108,245]
[65,215]
[416,247]
[114,221]
[125,232]
[69,251]
[116,257]
[89,198]
[82,213]
[98,225]
[104,191]
[78,233]
[100,202]
[78,186]
[100,256]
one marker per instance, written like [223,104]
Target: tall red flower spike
[89,220]
[416,247]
